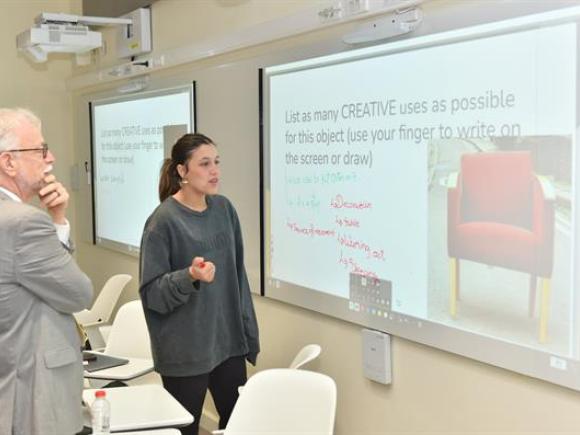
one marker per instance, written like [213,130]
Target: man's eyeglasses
[44,150]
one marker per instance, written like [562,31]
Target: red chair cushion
[497,187]
[498,244]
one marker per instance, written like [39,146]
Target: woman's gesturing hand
[202,270]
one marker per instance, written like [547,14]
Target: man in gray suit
[40,286]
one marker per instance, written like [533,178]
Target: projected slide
[128,151]
[430,183]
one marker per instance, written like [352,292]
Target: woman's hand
[202,270]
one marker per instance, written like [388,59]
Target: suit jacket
[40,360]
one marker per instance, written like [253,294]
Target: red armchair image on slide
[502,214]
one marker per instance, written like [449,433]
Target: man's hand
[55,198]
[202,270]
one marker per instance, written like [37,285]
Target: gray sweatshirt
[195,326]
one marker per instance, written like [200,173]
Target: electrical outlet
[102,50]
[158,61]
[354,7]
[331,13]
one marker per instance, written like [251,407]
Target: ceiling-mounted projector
[42,39]
[396,24]
[63,33]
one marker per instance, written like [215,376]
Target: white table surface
[140,407]
[152,432]
[134,368]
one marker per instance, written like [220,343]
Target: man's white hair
[10,120]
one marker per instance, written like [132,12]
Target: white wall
[39,87]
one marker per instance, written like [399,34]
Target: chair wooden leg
[544,309]
[532,297]
[453,286]
[457,280]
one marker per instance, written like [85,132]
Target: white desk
[134,368]
[152,432]
[140,407]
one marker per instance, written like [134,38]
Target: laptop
[93,361]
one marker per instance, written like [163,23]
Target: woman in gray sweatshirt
[193,284]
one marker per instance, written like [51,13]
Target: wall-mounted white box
[376,350]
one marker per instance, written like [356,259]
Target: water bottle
[101,414]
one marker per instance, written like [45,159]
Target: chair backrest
[129,335]
[106,300]
[497,187]
[285,401]
[305,355]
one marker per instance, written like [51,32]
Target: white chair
[129,335]
[129,338]
[285,401]
[305,355]
[100,312]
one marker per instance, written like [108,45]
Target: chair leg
[457,280]
[532,297]
[544,309]
[453,287]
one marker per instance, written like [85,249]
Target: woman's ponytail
[168,180]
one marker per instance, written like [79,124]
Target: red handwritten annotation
[349,242]
[349,223]
[310,230]
[339,202]
[349,262]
